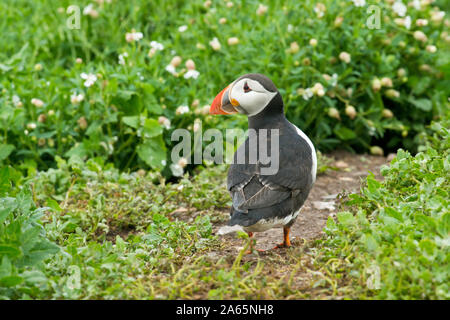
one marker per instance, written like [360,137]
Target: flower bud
[376,151]
[233,41]
[391,93]
[190,64]
[334,113]
[176,61]
[350,111]
[82,123]
[386,113]
[376,84]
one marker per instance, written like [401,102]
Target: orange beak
[222,104]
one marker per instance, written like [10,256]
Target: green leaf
[10,281]
[346,218]
[152,128]
[370,242]
[153,152]
[34,277]
[9,250]
[422,104]
[53,204]
[132,121]
[5,151]
[5,267]
[344,133]
[373,187]
[125,94]
[40,251]
[394,213]
[4,213]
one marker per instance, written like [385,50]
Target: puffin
[265,199]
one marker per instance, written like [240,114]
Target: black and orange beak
[222,103]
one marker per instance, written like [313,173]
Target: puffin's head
[249,95]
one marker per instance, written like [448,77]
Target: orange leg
[250,235]
[252,243]
[286,242]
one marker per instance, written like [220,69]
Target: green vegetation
[396,232]
[124,236]
[343,83]
[92,208]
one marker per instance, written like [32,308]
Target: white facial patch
[254,100]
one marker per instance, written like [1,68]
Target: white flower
[320,9]
[31,126]
[407,22]
[90,11]
[437,16]
[313,42]
[171,69]
[421,22]
[156,45]
[399,8]
[133,36]
[176,61]
[182,162]
[37,102]
[419,35]
[90,79]
[416,4]
[334,79]
[359,3]
[290,28]
[190,64]
[191,74]
[182,28]
[176,169]
[431,48]
[215,44]
[262,9]
[122,58]
[181,110]
[307,94]
[16,100]
[164,122]
[345,56]
[76,98]
[233,41]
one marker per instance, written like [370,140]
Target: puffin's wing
[295,164]
[253,194]
[250,189]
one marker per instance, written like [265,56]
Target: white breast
[314,156]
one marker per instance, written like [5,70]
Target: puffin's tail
[237,222]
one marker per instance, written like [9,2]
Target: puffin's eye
[246,88]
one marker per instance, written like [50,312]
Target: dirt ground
[322,201]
